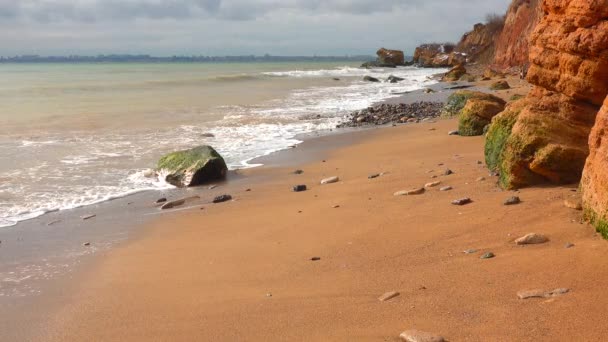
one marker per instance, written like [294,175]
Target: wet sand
[242,270]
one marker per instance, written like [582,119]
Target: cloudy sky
[233,27]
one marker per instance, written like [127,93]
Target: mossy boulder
[498,133]
[516,97]
[468,78]
[455,73]
[458,100]
[500,85]
[192,167]
[477,114]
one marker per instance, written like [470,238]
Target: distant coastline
[115,58]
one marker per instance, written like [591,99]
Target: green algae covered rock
[500,85]
[498,133]
[455,73]
[458,100]
[192,167]
[477,114]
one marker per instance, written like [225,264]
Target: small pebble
[420,336]
[211,187]
[269,295]
[410,192]
[448,172]
[336,206]
[248,190]
[453,133]
[573,204]
[298,172]
[569,245]
[481,179]
[388,296]
[315,259]
[222,198]
[330,180]
[462,201]
[86,244]
[488,255]
[512,200]
[432,185]
[376,175]
[299,188]
[446,188]
[161,200]
[470,251]
[88,217]
[531,239]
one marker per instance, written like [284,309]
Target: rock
[192,167]
[161,200]
[394,79]
[419,191]
[390,57]
[88,217]
[568,245]
[455,73]
[375,175]
[87,244]
[527,294]
[207,135]
[335,79]
[149,173]
[222,198]
[420,336]
[428,91]
[371,79]
[531,239]
[500,85]
[573,204]
[453,133]
[298,172]
[488,255]
[448,172]
[299,188]
[462,201]
[315,259]
[470,251]
[330,180]
[336,206]
[477,114]
[432,184]
[512,200]
[211,187]
[437,55]
[179,202]
[446,188]
[383,114]
[388,296]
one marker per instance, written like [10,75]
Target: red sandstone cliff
[513,42]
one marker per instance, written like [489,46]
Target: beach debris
[432,184]
[481,179]
[222,198]
[453,133]
[470,251]
[420,336]
[418,191]
[568,245]
[315,259]
[448,172]
[330,180]
[88,217]
[527,294]
[573,204]
[512,200]
[375,175]
[298,172]
[179,202]
[531,239]
[446,188]
[161,200]
[488,255]
[87,244]
[388,296]
[299,188]
[462,201]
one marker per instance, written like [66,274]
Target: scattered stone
[375,175]
[149,173]
[527,294]
[161,200]
[410,192]
[512,200]
[388,296]
[420,336]
[207,135]
[88,217]
[222,198]
[315,259]
[573,204]
[432,184]
[462,201]
[269,295]
[569,245]
[177,203]
[336,206]
[298,172]
[481,179]
[448,172]
[531,239]
[384,114]
[299,188]
[248,190]
[479,162]
[86,244]
[446,188]
[453,133]
[330,180]
[394,79]
[500,85]
[488,255]
[335,79]
[470,251]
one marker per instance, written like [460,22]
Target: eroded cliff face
[435,55]
[569,66]
[479,44]
[594,183]
[513,42]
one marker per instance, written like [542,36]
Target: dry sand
[242,270]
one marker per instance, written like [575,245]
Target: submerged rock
[371,79]
[193,167]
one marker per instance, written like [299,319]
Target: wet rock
[149,173]
[394,79]
[419,191]
[388,296]
[385,113]
[161,200]
[192,167]
[446,188]
[573,204]
[88,217]
[488,255]
[371,79]
[330,180]
[222,198]
[208,135]
[513,200]
[420,336]
[432,184]
[211,187]
[527,294]
[299,188]
[531,239]
[179,202]
[453,133]
[462,201]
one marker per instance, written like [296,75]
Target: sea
[73,135]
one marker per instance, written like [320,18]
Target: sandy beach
[275,265]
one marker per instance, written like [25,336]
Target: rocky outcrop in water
[569,66]
[192,167]
[437,56]
[394,113]
[390,57]
[512,45]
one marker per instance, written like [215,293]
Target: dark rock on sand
[453,133]
[298,172]
[448,172]
[315,259]
[222,198]
[375,175]
[299,188]
[385,113]
[462,201]
[488,255]
[193,167]
[161,200]
[371,79]
[179,202]
[512,200]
